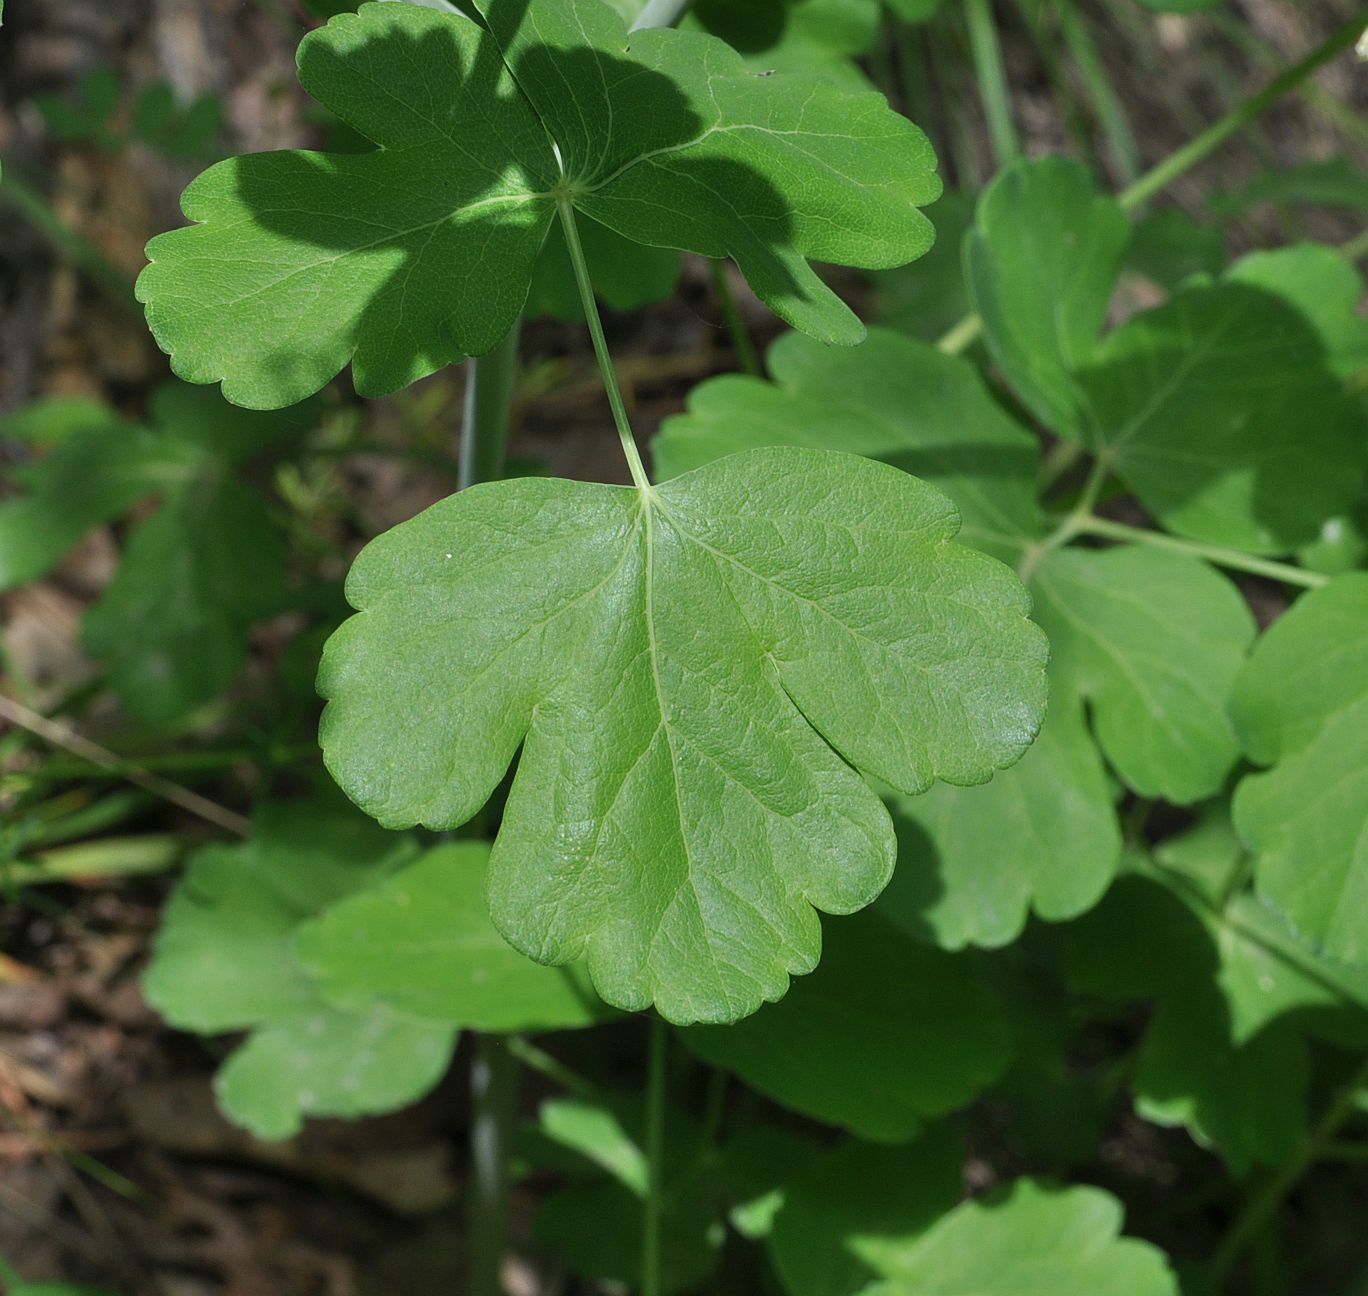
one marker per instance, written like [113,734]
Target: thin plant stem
[1164,173]
[1105,101]
[488,399]
[60,736]
[661,13]
[35,209]
[1234,559]
[538,1059]
[494,1093]
[601,353]
[1069,526]
[962,336]
[1263,1205]
[493,1069]
[742,345]
[992,80]
[125,767]
[651,1284]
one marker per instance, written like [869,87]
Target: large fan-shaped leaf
[399,260]
[689,669]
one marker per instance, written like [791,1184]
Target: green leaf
[689,669]
[928,298]
[171,626]
[892,399]
[99,468]
[813,37]
[301,263]
[1238,995]
[907,1032]
[757,1166]
[914,11]
[1301,705]
[571,1223]
[1327,289]
[609,1135]
[1326,182]
[1154,641]
[1218,411]
[1042,263]
[1168,246]
[626,275]
[1041,836]
[330,1064]
[422,944]
[845,1216]
[1032,1240]
[223,958]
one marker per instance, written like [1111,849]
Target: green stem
[57,735]
[494,1093]
[661,13]
[58,769]
[1164,173]
[962,336]
[1087,524]
[1263,1205]
[601,353]
[992,80]
[1106,103]
[655,1138]
[1160,177]
[1070,525]
[38,212]
[488,399]
[1342,115]
[746,357]
[538,1059]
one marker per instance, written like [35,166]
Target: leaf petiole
[601,353]
[655,1138]
[1087,524]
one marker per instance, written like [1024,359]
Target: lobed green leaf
[400,260]
[690,671]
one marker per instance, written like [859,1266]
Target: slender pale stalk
[1160,177]
[601,353]
[60,736]
[651,1278]
[742,345]
[1222,557]
[488,399]
[36,210]
[661,13]
[538,1059]
[1106,103]
[1163,174]
[992,80]
[494,1094]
